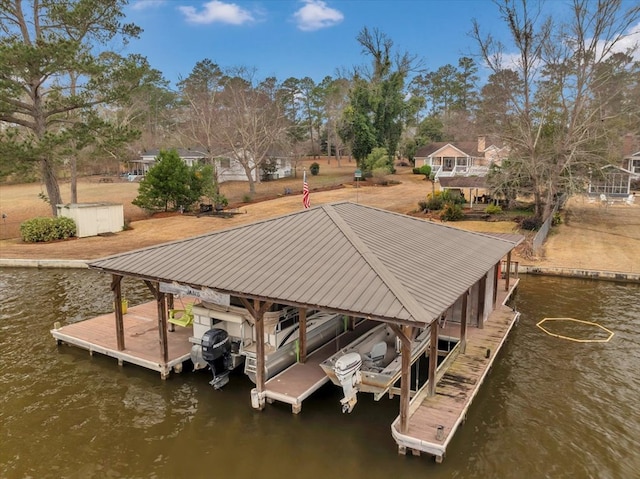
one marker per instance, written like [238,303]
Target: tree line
[560,94]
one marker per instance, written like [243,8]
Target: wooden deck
[298,382]
[433,420]
[142,341]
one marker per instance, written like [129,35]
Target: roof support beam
[162,327]
[482,291]
[302,335]
[433,359]
[506,284]
[405,333]
[257,310]
[116,288]
[496,273]
[463,322]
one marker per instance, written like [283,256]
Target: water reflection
[549,408]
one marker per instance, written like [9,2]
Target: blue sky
[298,38]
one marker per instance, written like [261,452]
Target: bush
[425,170]
[493,209]
[557,219]
[314,168]
[171,185]
[416,171]
[434,202]
[451,212]
[531,223]
[269,168]
[37,230]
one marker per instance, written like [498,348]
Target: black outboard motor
[216,351]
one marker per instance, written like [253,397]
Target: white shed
[93,219]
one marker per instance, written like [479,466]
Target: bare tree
[252,122]
[555,119]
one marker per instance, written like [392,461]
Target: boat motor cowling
[347,370]
[216,351]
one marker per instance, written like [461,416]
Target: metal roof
[343,257]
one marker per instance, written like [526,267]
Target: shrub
[493,209]
[269,168]
[416,171]
[246,198]
[38,230]
[425,170]
[378,161]
[557,219]
[451,212]
[531,223]
[172,185]
[435,201]
[314,168]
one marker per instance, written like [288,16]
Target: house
[227,167]
[611,181]
[465,158]
[632,163]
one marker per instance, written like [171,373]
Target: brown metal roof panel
[342,257]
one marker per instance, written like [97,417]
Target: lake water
[549,407]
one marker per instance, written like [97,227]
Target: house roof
[183,152]
[463,181]
[614,167]
[468,147]
[340,257]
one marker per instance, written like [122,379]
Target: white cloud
[147,4]
[630,40]
[216,11]
[316,15]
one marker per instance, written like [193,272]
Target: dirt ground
[591,237]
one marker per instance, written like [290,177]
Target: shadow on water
[549,408]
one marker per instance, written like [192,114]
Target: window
[225,162]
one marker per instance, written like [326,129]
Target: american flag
[306,201]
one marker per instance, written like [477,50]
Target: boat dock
[433,420]
[299,381]
[97,335]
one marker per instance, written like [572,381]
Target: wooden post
[257,310]
[117,306]
[496,273]
[162,327]
[506,285]
[259,348]
[463,322]
[351,323]
[405,334]
[433,358]
[482,290]
[302,315]
[170,305]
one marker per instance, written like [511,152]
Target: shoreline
[617,276]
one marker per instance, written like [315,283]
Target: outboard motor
[347,369]
[216,351]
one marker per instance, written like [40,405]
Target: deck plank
[142,340]
[298,381]
[459,384]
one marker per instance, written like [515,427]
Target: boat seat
[378,351]
[182,317]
